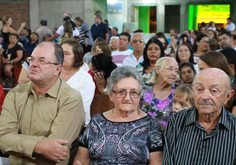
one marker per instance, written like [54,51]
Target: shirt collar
[53,91]
[223,118]
[192,117]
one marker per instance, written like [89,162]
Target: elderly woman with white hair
[157,99]
[125,134]
[114,43]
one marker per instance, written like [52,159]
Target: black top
[99,30]
[5,37]
[11,51]
[188,143]
[123,143]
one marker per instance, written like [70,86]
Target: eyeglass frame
[136,41]
[117,92]
[169,68]
[38,59]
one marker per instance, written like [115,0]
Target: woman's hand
[23,24]
[6,61]
[100,81]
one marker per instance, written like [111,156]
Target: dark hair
[28,30]
[106,22]
[199,37]
[35,34]
[216,60]
[126,34]
[78,51]
[58,51]
[227,33]
[186,64]
[215,36]
[115,28]
[67,19]
[191,53]
[214,44]
[79,19]
[230,55]
[145,62]
[43,22]
[162,35]
[14,34]
[183,36]
[46,35]
[196,32]
[98,14]
[102,62]
[234,37]
[210,23]
[175,30]
[68,29]
[138,31]
[229,19]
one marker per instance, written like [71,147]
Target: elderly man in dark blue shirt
[205,134]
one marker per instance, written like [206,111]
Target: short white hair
[135,35]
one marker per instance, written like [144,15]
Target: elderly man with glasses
[41,119]
[137,43]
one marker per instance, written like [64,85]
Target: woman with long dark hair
[151,53]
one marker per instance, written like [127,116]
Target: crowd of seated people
[147,85]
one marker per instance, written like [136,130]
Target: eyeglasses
[123,93]
[205,42]
[188,71]
[170,68]
[224,38]
[140,41]
[40,60]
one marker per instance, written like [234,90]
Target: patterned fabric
[161,109]
[122,142]
[146,76]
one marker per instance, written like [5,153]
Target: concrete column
[161,18]
[183,19]
[34,14]
[88,12]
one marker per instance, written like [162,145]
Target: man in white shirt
[123,52]
[230,25]
[137,42]
[60,30]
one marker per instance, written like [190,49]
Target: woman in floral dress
[157,99]
[152,52]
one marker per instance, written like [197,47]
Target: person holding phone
[101,68]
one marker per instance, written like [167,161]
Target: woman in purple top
[157,99]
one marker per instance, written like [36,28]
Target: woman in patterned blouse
[157,99]
[125,134]
[151,53]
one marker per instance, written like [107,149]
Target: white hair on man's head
[135,35]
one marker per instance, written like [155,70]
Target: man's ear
[231,66]
[58,70]
[229,95]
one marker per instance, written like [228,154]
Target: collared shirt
[132,61]
[188,143]
[27,119]
[99,30]
[119,56]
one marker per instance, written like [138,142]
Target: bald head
[211,88]
[212,74]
